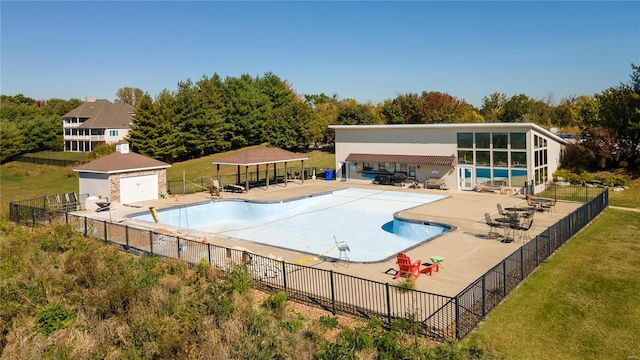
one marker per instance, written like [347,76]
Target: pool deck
[467,251]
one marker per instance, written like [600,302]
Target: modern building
[95,122]
[463,156]
[123,176]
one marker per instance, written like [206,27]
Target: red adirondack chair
[406,267]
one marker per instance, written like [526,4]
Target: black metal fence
[39,211]
[46,161]
[330,290]
[440,317]
[478,299]
[256,179]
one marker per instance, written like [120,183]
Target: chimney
[122,147]
[88,99]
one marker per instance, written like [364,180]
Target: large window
[499,140]
[367,166]
[501,155]
[500,158]
[483,158]
[465,140]
[518,159]
[465,157]
[483,141]
[518,141]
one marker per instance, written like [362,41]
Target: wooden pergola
[257,157]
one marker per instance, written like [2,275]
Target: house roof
[119,163]
[260,156]
[103,114]
[404,159]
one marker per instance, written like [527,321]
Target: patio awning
[404,159]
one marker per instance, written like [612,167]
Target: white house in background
[95,122]
[123,176]
[461,155]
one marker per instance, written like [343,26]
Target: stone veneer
[114,182]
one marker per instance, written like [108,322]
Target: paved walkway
[467,251]
[624,208]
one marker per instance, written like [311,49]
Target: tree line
[29,125]
[213,114]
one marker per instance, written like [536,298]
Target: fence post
[537,252]
[178,242]
[105,230]
[66,218]
[86,230]
[126,235]
[386,285]
[209,252]
[151,242]
[521,263]
[484,296]
[284,276]
[504,278]
[457,317]
[333,294]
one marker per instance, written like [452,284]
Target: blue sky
[368,51]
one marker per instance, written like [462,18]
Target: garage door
[138,188]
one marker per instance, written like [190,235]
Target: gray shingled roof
[103,114]
[260,156]
[117,163]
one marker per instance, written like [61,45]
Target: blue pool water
[363,218]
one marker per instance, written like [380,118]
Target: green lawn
[628,198]
[582,303]
[21,181]
[59,155]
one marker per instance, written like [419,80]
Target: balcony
[84,137]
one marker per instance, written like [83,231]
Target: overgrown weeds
[64,296]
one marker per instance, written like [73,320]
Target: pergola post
[238,175]
[257,174]
[218,173]
[246,177]
[266,176]
[286,174]
[275,173]
[302,164]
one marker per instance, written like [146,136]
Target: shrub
[68,172]
[328,322]
[239,279]
[276,302]
[571,176]
[614,180]
[52,318]
[406,285]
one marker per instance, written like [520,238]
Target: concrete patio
[467,251]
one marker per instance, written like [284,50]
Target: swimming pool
[365,219]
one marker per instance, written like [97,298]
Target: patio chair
[530,213]
[523,229]
[343,248]
[548,205]
[406,267]
[492,226]
[502,212]
[533,204]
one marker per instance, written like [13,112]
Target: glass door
[465,177]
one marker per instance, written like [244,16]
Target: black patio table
[507,224]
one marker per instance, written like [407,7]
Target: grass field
[582,303]
[59,155]
[628,198]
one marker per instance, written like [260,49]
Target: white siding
[94,184]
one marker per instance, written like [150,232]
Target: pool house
[458,156]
